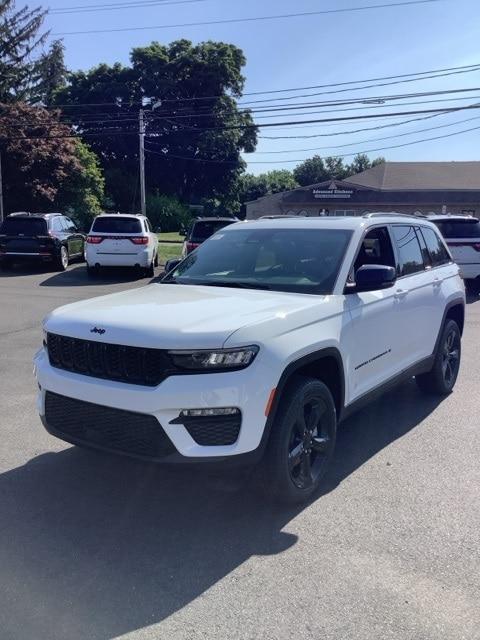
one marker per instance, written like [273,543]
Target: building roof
[425,176]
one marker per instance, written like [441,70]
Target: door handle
[437,282]
[400,293]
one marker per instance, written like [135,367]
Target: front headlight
[218,360]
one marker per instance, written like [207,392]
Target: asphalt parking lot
[99,547]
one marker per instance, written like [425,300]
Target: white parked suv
[257,345]
[121,240]
[462,235]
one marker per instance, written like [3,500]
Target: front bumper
[241,389]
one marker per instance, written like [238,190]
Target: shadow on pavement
[95,546]
[78,277]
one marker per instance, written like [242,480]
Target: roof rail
[388,214]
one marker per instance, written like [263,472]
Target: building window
[345,212]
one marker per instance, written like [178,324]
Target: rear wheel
[5,265]
[155,262]
[443,375]
[92,272]
[63,259]
[302,442]
[472,285]
[150,270]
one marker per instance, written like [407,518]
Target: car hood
[177,316]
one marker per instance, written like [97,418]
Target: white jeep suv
[257,345]
[121,240]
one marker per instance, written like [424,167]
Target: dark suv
[201,229]
[42,237]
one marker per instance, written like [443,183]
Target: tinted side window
[438,253]
[69,225]
[409,253]
[57,224]
[423,246]
[376,248]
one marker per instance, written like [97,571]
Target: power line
[87,120]
[118,6]
[342,133]
[251,19]
[259,126]
[367,101]
[346,155]
[371,86]
[351,144]
[433,73]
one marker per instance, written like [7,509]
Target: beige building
[406,187]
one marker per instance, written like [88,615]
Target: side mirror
[170,265]
[373,277]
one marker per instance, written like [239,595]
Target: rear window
[203,230]
[117,225]
[459,228]
[24,226]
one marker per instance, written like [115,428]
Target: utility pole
[1,190]
[142,164]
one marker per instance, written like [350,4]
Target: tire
[301,443]
[150,271]
[92,272]
[5,265]
[155,262]
[441,379]
[472,286]
[61,263]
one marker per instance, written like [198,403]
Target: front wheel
[301,443]
[441,379]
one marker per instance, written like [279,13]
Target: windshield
[459,228]
[117,225]
[204,229]
[24,226]
[293,260]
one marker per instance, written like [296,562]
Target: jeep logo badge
[97,330]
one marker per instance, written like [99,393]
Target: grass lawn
[173,236]
[169,250]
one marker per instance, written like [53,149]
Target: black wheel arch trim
[285,378]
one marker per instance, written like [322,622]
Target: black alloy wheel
[451,357]
[441,379]
[302,441]
[309,443]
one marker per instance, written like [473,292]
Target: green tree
[311,171]
[362,162]
[82,195]
[20,37]
[167,212]
[251,187]
[43,167]
[335,168]
[195,135]
[51,73]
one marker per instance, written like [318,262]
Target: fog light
[200,413]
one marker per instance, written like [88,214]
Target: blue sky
[315,50]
